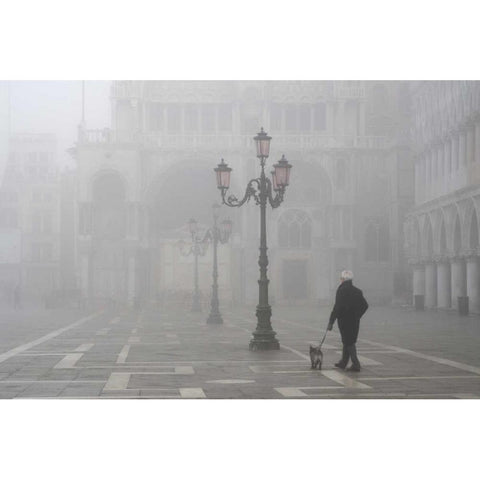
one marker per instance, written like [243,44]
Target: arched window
[295,230]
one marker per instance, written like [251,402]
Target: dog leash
[323,339]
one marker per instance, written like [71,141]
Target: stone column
[462,151]
[431,285]
[454,155]
[473,284]
[477,141]
[428,175]
[441,163]
[418,280]
[470,143]
[448,163]
[458,280]
[443,284]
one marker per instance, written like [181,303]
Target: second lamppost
[198,248]
[263,191]
[217,234]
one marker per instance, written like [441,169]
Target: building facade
[441,231]
[30,219]
[140,181]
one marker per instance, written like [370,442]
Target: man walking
[350,305]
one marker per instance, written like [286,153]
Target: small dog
[316,357]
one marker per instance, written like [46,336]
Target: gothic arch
[468,211]
[107,172]
[472,233]
[428,238]
[308,176]
[457,235]
[417,241]
[437,219]
[443,238]
[295,229]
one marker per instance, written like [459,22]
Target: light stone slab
[343,379]
[69,360]
[231,381]
[84,347]
[103,331]
[122,356]
[442,361]
[192,393]
[26,346]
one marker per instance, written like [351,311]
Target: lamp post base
[264,341]
[215,318]
[264,336]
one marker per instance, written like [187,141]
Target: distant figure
[350,305]
[16,297]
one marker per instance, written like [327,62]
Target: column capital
[441,258]
[471,253]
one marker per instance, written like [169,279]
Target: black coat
[350,305]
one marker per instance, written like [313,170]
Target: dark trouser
[349,332]
[349,352]
[352,350]
[345,357]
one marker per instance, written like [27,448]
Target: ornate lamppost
[197,248]
[217,234]
[262,191]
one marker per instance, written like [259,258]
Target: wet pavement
[158,354]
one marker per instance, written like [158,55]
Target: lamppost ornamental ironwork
[216,235]
[199,247]
[261,190]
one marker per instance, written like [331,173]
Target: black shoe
[353,368]
[340,365]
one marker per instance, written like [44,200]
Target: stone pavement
[175,354]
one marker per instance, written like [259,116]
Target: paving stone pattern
[175,355]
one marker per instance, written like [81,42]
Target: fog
[112,228]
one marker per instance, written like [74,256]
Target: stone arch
[416,238]
[308,177]
[469,216]
[428,238]
[437,220]
[108,172]
[457,235]
[473,231]
[182,190]
[443,238]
